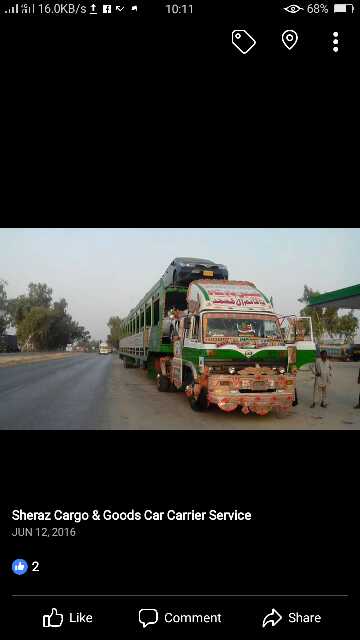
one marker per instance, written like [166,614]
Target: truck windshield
[247,329]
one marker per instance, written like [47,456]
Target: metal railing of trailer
[143,336]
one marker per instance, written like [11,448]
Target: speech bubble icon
[148,616]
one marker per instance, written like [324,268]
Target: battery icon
[343,8]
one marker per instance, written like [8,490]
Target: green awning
[348,298]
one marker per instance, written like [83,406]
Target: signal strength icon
[13,9]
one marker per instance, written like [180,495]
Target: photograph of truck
[229,341]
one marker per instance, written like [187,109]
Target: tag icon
[289,38]
[243,41]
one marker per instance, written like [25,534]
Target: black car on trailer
[182,271]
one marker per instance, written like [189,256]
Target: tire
[163,383]
[200,404]
[187,378]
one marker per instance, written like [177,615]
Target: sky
[105,272]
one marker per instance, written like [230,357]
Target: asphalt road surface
[89,391]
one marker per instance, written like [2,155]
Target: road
[67,393]
[89,391]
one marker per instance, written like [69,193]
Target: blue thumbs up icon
[19,566]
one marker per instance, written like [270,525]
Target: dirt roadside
[7,360]
[134,402]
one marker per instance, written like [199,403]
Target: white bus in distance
[104,348]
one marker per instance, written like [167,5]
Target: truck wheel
[187,378]
[162,382]
[200,404]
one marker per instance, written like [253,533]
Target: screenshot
[115,329]
[179,434]
[179,319]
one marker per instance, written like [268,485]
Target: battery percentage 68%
[317,8]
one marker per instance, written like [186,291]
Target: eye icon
[293,8]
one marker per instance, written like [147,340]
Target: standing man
[357,406]
[323,375]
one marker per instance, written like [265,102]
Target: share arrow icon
[272,618]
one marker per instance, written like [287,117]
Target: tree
[59,334]
[18,308]
[347,326]
[326,319]
[114,325]
[42,323]
[32,331]
[331,320]
[78,332]
[60,306]
[63,329]
[316,314]
[4,318]
[40,295]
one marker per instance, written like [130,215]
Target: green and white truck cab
[231,349]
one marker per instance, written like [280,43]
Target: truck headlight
[232,370]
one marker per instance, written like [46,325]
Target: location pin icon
[289,38]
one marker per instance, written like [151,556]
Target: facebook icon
[19,567]
[106,8]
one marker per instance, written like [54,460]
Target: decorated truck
[226,346]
